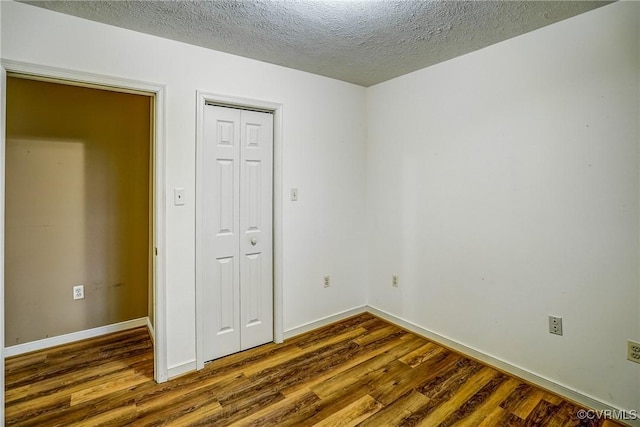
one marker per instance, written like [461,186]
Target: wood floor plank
[483,403]
[421,354]
[391,415]
[116,416]
[541,414]
[62,362]
[365,355]
[525,406]
[182,408]
[314,412]
[266,364]
[565,414]
[493,418]
[353,413]
[104,382]
[206,411]
[325,409]
[395,384]
[281,413]
[468,389]
[298,371]
[552,398]
[361,371]
[387,331]
[167,394]
[104,389]
[356,377]
[345,393]
[58,383]
[329,331]
[69,415]
[449,379]
[473,404]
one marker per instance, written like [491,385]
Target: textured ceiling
[362,42]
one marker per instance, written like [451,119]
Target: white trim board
[42,344]
[183,368]
[152,332]
[3,103]
[159,150]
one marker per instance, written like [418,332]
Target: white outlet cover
[555,325]
[633,351]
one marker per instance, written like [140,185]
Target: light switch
[294,194]
[178,196]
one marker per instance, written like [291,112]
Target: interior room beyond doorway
[78,208]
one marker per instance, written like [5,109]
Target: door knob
[253,241]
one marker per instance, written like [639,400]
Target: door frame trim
[158,146]
[203,98]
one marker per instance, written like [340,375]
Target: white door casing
[236,226]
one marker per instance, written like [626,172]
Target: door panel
[224,193]
[256,292]
[237,270]
[253,176]
[221,267]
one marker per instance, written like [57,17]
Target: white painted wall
[503,186]
[324,148]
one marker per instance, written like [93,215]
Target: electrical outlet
[327,281]
[555,325]
[633,351]
[394,280]
[78,292]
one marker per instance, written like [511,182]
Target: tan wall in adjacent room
[77,208]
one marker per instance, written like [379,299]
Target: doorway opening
[81,210]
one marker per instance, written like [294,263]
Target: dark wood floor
[361,371]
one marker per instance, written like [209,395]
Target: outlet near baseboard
[78,292]
[327,281]
[555,325]
[394,280]
[633,351]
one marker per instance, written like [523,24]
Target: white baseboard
[181,369]
[152,332]
[540,381]
[27,347]
[323,322]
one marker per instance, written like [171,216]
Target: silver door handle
[253,241]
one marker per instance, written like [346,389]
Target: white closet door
[237,226]
[256,267]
